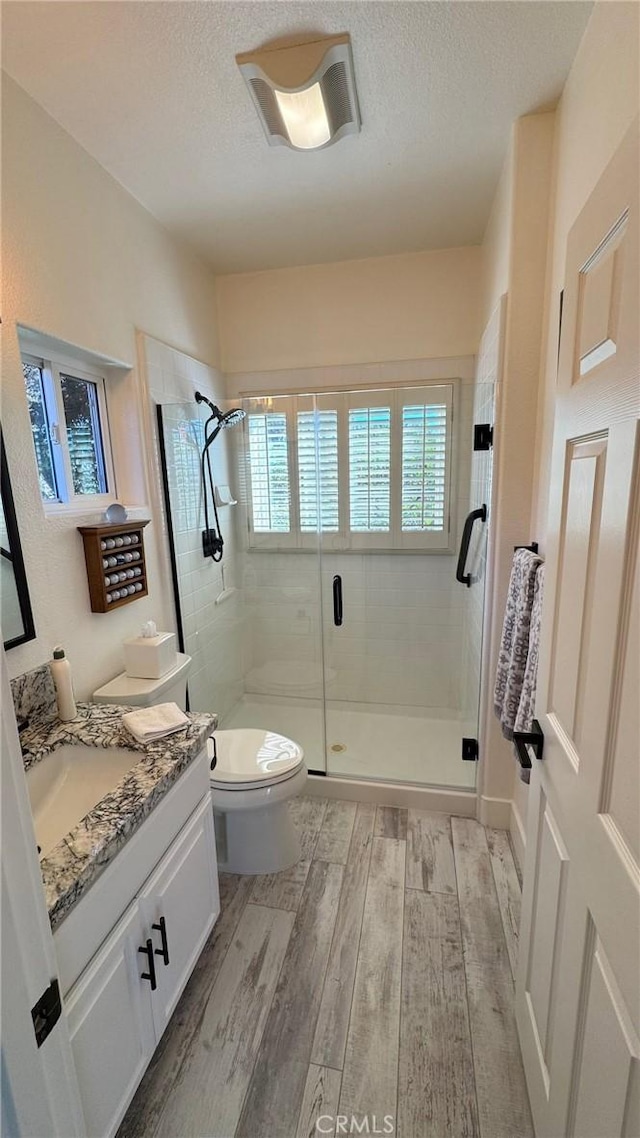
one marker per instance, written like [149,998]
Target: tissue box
[150,657]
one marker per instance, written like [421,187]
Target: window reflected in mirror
[15,606]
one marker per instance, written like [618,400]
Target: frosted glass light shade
[304,94]
[305,117]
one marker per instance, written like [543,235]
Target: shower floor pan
[366,742]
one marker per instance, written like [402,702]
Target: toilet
[254,773]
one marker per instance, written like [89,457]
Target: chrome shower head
[230,418]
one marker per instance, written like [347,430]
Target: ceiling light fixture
[305,93]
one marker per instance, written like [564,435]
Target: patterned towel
[514,647]
[527,705]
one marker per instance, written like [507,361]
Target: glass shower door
[279,576]
[402,637]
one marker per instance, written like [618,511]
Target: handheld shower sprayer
[212,541]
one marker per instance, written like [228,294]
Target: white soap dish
[224,497]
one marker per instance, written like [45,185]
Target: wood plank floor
[375,978]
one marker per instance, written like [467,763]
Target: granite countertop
[71,867]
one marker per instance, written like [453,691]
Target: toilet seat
[248,758]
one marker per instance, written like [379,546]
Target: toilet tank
[170,688]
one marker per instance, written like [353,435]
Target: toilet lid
[251,757]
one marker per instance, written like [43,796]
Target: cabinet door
[179,905]
[111,1026]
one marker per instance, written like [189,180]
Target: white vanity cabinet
[121,988]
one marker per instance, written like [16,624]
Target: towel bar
[524,739]
[533,547]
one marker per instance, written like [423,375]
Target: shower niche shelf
[116,564]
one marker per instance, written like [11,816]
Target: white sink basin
[65,785]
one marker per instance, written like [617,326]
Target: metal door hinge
[482,436]
[470,750]
[46,1013]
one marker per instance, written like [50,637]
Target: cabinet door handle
[151,974]
[162,929]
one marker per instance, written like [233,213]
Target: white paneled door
[578,980]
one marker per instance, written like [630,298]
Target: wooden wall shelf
[116,564]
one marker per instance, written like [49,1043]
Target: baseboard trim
[459,802]
[495,812]
[518,836]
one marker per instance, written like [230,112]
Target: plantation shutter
[370,469]
[424,467]
[318,471]
[269,469]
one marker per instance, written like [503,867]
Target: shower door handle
[337,600]
[476,515]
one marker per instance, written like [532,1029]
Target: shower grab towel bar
[476,515]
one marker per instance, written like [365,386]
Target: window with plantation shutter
[269,472]
[365,469]
[424,467]
[370,469]
[318,485]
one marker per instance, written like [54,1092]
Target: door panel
[621,780]
[577,986]
[184,891]
[551,878]
[586,461]
[111,1028]
[606,1052]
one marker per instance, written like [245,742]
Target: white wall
[497,243]
[410,306]
[515,263]
[85,263]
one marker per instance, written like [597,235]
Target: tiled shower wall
[213,633]
[400,642]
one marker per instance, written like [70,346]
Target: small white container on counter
[61,673]
[151,655]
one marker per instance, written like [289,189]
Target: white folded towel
[154,722]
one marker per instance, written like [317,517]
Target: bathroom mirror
[15,611]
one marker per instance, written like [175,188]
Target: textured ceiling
[152,91]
